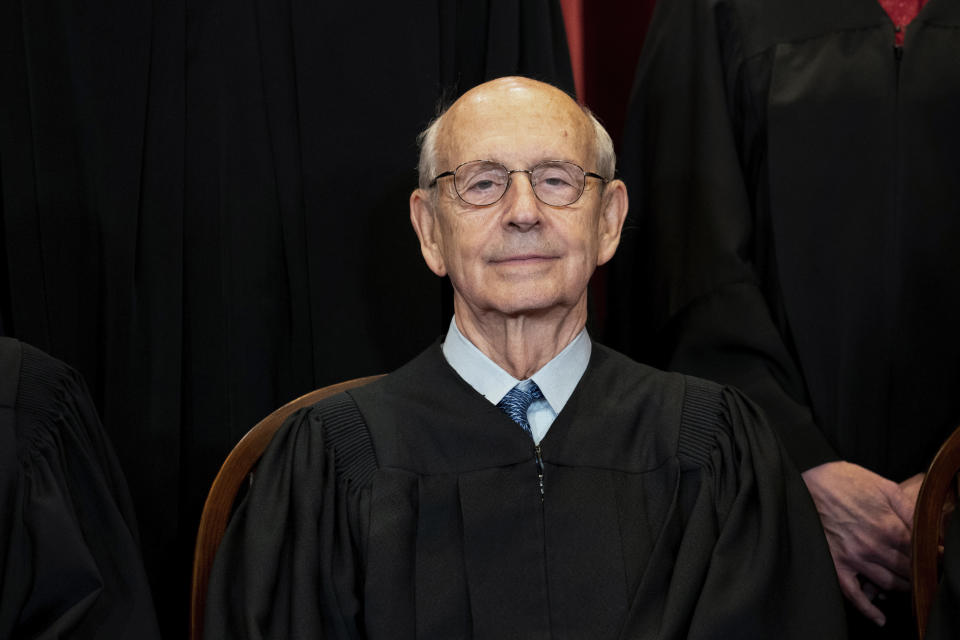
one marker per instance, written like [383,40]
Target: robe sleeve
[289,565]
[691,297]
[769,572]
[70,564]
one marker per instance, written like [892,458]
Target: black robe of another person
[70,564]
[411,508]
[796,202]
[796,193]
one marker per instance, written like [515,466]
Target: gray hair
[427,141]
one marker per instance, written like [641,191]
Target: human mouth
[523,258]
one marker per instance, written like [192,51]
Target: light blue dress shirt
[557,379]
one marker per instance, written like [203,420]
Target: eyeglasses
[482,183]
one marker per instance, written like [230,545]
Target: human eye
[555,175]
[482,183]
[558,181]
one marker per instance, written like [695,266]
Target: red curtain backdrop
[605,37]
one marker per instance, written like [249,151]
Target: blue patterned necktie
[517,401]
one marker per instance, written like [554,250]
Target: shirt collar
[557,379]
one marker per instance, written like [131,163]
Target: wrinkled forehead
[517,122]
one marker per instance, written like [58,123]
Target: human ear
[423,217]
[613,212]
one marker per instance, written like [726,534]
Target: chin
[527,305]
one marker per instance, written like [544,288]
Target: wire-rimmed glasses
[482,183]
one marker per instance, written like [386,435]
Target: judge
[517,480]
[797,238]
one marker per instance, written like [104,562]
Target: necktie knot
[517,401]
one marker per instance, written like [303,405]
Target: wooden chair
[927,520]
[223,492]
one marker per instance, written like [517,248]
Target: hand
[911,489]
[867,521]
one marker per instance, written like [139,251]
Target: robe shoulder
[70,562]
[424,418]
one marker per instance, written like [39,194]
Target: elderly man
[516,480]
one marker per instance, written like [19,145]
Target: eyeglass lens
[483,183]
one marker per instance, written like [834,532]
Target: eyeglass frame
[529,172]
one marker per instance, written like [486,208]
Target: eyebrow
[542,160]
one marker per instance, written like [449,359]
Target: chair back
[223,492]
[927,520]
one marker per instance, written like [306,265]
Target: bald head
[528,251]
[512,100]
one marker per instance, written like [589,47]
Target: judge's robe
[70,565]
[797,216]
[796,220]
[411,508]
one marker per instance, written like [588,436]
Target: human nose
[523,206]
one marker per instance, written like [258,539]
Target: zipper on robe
[539,458]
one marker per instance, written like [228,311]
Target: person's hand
[867,521]
[911,489]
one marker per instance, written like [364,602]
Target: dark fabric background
[204,210]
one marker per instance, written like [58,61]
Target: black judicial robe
[411,508]
[798,196]
[70,564]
